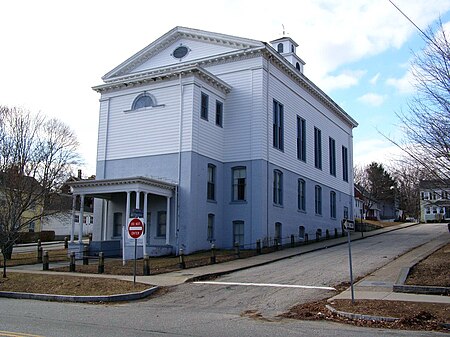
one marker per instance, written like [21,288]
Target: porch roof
[103,188]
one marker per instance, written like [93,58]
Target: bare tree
[36,156]
[426,124]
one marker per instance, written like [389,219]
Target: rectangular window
[278,137]
[301,195]
[161,229]
[238,233]
[344,163]
[277,187]
[211,189]
[278,231]
[318,200]
[204,106]
[219,113]
[239,182]
[301,139]
[210,227]
[317,148]
[117,221]
[332,150]
[345,212]
[333,204]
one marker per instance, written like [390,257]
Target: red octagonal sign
[135,228]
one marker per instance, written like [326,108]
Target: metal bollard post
[146,267]
[45,261]
[39,254]
[213,253]
[182,264]
[237,250]
[258,246]
[72,262]
[292,240]
[85,255]
[66,242]
[101,263]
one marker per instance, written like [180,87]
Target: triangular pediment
[181,46]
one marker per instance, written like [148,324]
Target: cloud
[346,79]
[403,84]
[378,150]
[374,79]
[372,99]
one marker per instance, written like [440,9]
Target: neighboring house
[358,210]
[217,139]
[434,200]
[366,207]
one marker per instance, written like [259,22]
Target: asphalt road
[216,310]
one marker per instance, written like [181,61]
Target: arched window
[142,101]
[297,66]
[280,47]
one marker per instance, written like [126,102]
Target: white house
[217,138]
[434,200]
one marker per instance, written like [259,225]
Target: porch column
[72,228]
[138,199]
[168,221]
[80,230]
[105,218]
[124,231]
[144,239]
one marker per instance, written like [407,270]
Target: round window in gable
[180,52]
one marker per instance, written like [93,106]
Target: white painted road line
[264,285]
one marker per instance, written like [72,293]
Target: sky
[358,51]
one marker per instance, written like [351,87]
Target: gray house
[217,139]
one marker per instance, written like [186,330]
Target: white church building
[217,139]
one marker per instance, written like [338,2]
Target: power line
[407,17]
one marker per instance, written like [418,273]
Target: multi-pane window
[211,227]
[317,148]
[238,232]
[278,231]
[301,201]
[332,150]
[219,113]
[333,204]
[277,187]
[318,200]
[161,228]
[211,192]
[239,182]
[204,106]
[117,222]
[301,138]
[278,125]
[344,163]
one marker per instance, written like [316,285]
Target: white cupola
[287,48]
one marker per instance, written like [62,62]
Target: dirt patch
[67,285]
[433,270]
[413,316]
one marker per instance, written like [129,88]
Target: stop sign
[135,228]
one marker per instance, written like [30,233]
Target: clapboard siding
[297,101]
[198,50]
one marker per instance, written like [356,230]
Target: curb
[80,299]
[425,290]
[360,316]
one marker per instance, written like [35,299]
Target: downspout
[180,141]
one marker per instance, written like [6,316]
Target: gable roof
[174,35]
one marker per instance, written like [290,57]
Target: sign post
[350,226]
[135,230]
